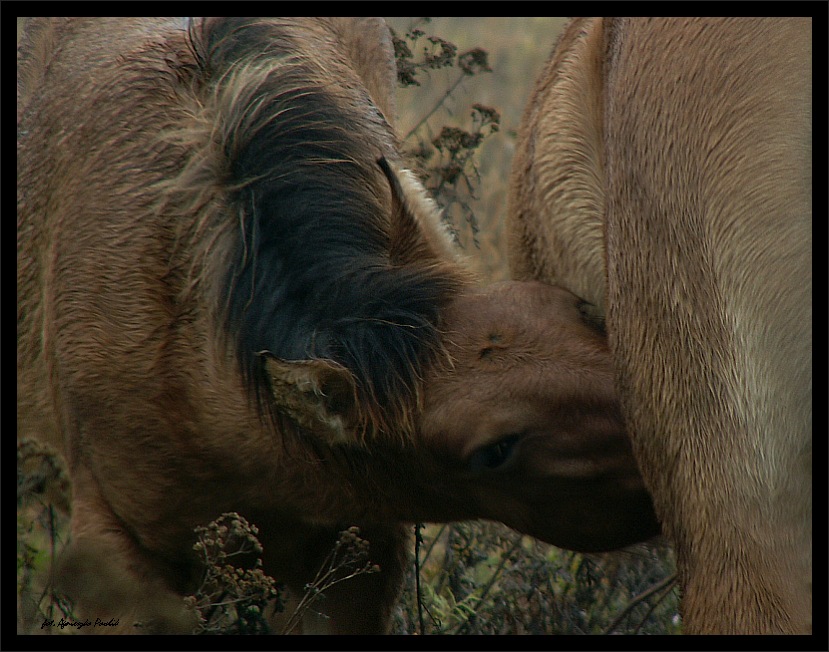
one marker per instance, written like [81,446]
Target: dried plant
[446,160]
[347,559]
[235,594]
[237,597]
[43,496]
[483,578]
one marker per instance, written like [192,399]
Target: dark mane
[310,274]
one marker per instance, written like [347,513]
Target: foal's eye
[494,456]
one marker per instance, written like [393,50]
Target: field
[466,578]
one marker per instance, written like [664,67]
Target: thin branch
[667,582]
[490,583]
[439,104]
[653,607]
[418,595]
[432,544]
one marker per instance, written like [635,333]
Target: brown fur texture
[225,303]
[664,174]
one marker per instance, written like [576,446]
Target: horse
[663,174]
[233,296]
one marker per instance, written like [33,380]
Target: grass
[482,578]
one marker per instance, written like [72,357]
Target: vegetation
[465,578]
[232,598]
[43,493]
[508,54]
[482,578]
[447,161]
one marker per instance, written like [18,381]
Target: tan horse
[664,174]
[232,297]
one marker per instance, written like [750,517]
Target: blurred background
[516,51]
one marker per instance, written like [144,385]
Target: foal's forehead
[513,302]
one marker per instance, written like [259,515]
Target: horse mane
[309,272]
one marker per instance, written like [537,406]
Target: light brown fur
[664,174]
[125,231]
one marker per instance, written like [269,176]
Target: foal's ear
[368,46]
[319,395]
[418,234]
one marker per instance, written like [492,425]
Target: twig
[653,606]
[419,596]
[490,583]
[435,107]
[667,582]
[432,544]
